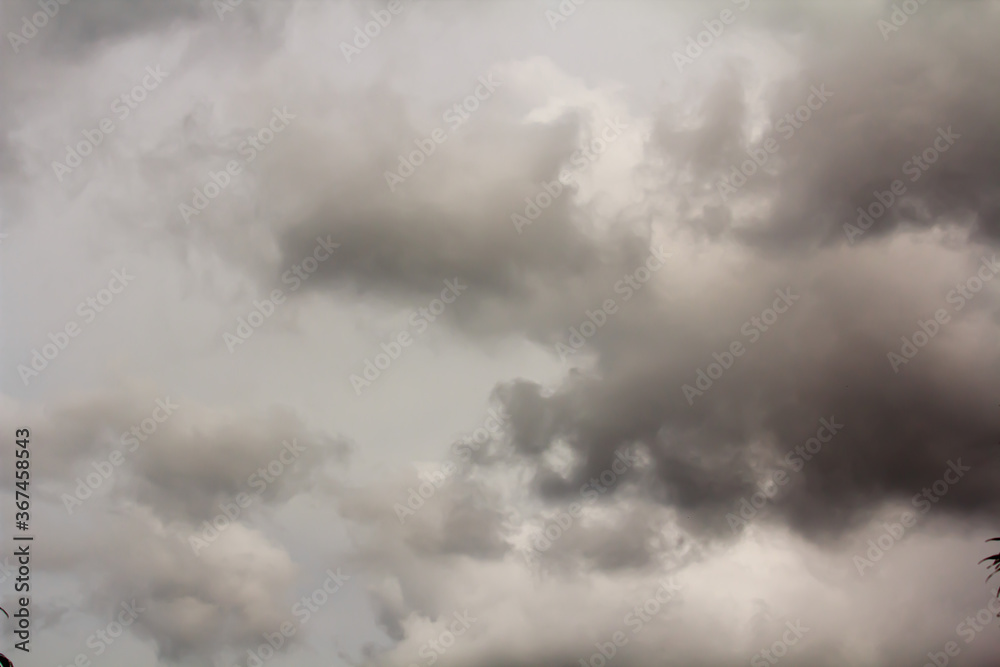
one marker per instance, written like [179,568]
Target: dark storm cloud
[453,220]
[890,98]
[825,358]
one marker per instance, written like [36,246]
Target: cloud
[281,423]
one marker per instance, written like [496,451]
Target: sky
[501,334]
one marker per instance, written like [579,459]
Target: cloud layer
[692,355]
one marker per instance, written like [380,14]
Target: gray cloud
[630,385]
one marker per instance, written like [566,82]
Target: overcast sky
[502,334]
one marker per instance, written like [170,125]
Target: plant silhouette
[994,564]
